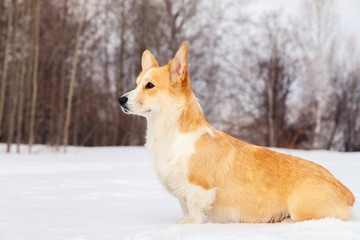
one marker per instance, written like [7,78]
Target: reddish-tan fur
[262,184]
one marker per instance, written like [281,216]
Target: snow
[113,193]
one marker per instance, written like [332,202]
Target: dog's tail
[348,195]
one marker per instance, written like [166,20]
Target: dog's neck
[184,118]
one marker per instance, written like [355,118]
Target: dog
[214,176]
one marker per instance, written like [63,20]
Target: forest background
[271,79]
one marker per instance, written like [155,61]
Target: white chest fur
[171,151]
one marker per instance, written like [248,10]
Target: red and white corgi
[215,176]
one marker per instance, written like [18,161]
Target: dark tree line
[267,81]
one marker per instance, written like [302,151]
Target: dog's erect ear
[178,65]
[148,60]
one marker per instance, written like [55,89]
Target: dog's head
[158,89]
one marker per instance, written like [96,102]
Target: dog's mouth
[125,109]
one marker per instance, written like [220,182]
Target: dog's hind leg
[199,201]
[315,202]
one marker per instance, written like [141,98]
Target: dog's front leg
[198,203]
[185,210]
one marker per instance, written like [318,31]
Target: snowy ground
[112,193]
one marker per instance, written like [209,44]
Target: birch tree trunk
[71,87]
[1,14]
[35,73]
[24,45]
[319,60]
[13,83]
[4,75]
[120,79]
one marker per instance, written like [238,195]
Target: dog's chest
[170,155]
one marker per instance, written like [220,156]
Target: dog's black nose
[122,101]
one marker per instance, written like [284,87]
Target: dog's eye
[149,85]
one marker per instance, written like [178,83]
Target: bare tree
[266,70]
[319,24]
[62,76]
[178,14]
[71,87]
[4,75]
[35,73]
[14,81]
[1,14]
[24,45]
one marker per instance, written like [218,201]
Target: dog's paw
[189,220]
[288,220]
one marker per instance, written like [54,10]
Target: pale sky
[348,11]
